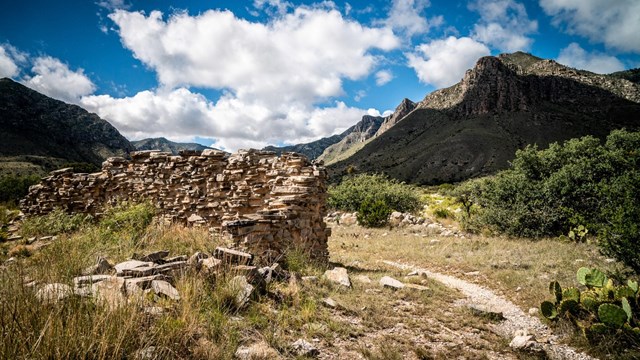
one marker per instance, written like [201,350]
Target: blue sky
[236,74]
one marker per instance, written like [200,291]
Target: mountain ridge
[474,127]
[42,133]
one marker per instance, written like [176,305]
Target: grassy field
[364,322]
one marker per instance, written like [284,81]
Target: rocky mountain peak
[402,110]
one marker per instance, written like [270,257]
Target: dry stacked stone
[264,203]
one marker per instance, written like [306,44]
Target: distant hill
[163,144]
[40,133]
[474,128]
[311,150]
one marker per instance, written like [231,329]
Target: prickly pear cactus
[556,290]
[571,294]
[612,315]
[548,310]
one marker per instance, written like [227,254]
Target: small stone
[110,292]
[329,302]
[522,342]
[102,266]
[232,257]
[338,276]
[14,238]
[194,260]
[193,218]
[89,279]
[609,260]
[533,311]
[52,293]
[485,312]
[310,279]
[131,264]
[389,282]
[472,273]
[31,240]
[304,348]
[46,238]
[210,264]
[161,287]
[242,289]
[257,351]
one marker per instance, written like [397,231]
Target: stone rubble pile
[152,276]
[264,203]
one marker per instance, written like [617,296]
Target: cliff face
[473,128]
[402,110]
[36,126]
[357,135]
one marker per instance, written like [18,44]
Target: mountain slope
[474,127]
[357,134]
[163,144]
[46,133]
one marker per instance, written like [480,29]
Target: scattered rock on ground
[163,288]
[102,266]
[242,290]
[304,348]
[329,302]
[485,312]
[338,275]
[110,292]
[258,351]
[389,282]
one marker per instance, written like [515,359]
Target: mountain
[311,150]
[163,144]
[474,128]
[40,133]
[402,110]
[354,136]
[632,75]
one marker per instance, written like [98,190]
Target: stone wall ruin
[263,203]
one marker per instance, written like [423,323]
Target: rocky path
[517,325]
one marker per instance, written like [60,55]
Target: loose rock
[338,275]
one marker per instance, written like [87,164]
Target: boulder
[302,347]
[242,290]
[258,351]
[53,293]
[164,289]
[110,292]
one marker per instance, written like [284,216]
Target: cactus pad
[612,315]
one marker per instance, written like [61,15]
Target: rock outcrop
[263,203]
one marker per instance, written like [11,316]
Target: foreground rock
[338,275]
[389,282]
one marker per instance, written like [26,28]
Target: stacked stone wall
[265,204]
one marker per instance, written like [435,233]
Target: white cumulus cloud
[613,23]
[443,62]
[300,57]
[183,115]
[383,77]
[8,66]
[272,75]
[504,25]
[406,16]
[54,78]
[575,56]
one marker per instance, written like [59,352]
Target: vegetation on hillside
[15,187]
[554,192]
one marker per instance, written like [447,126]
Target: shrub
[354,190]
[373,213]
[581,184]
[56,222]
[15,187]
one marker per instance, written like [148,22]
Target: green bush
[582,182]
[56,222]
[373,213]
[354,190]
[15,187]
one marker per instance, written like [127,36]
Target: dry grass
[518,268]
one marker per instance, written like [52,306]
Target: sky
[245,74]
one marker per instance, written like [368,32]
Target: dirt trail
[515,318]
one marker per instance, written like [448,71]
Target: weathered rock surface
[389,282]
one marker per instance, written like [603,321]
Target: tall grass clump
[582,183]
